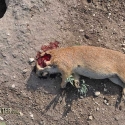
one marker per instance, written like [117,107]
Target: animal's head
[43,63]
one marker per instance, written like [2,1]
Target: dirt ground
[28,24]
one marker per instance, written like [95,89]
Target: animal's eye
[54,66]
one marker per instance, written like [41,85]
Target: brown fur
[95,62]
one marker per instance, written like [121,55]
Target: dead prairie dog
[89,61]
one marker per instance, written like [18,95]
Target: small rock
[90,117]
[109,14]
[97,103]
[31,60]
[81,30]
[6,62]
[14,55]
[41,123]
[45,9]
[97,109]
[13,86]
[99,40]
[8,34]
[81,97]
[31,115]
[116,119]
[1,118]
[97,93]
[123,49]
[21,114]
[24,71]
[123,45]
[69,105]
[106,102]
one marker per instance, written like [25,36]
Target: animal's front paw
[77,83]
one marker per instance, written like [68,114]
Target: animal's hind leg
[123,93]
[122,101]
[76,80]
[119,81]
[122,77]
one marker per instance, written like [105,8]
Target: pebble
[97,93]
[21,114]
[69,105]
[81,97]
[31,115]
[24,71]
[1,118]
[31,60]
[13,86]
[6,62]
[99,40]
[109,14]
[123,45]
[41,123]
[106,102]
[97,109]
[90,117]
[14,55]
[81,30]
[97,103]
[123,49]
[8,34]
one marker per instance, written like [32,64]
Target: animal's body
[89,61]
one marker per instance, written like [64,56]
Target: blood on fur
[46,57]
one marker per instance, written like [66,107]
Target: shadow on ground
[70,93]
[3,8]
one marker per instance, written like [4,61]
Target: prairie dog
[89,61]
